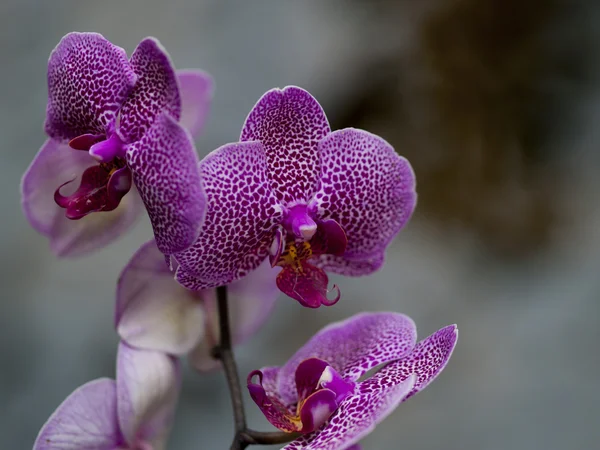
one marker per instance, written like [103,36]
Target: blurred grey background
[496,103]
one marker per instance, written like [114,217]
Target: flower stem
[225,354]
[243,435]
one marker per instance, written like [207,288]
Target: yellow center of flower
[294,253]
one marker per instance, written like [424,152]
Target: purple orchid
[135,411]
[310,198]
[118,126]
[155,312]
[317,391]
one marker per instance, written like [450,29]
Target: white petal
[153,311]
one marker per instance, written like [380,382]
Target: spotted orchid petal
[356,417]
[352,347]
[156,91]
[88,80]
[164,165]
[240,222]
[290,123]
[426,361]
[196,88]
[369,190]
[148,384]
[86,420]
[379,395]
[251,302]
[55,164]
[347,267]
[153,311]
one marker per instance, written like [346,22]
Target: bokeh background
[496,103]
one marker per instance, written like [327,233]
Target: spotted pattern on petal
[367,188]
[356,417]
[348,267]
[353,347]
[290,123]
[155,91]
[164,166]
[427,360]
[88,80]
[240,223]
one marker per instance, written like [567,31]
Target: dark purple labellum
[102,188]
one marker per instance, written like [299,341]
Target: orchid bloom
[134,412]
[317,392]
[310,198]
[115,123]
[155,312]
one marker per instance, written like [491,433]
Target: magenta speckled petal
[356,417]
[290,123]
[164,165]
[54,164]
[88,80]
[156,91]
[86,420]
[153,311]
[367,188]
[348,267]
[196,88]
[240,221]
[148,386]
[353,347]
[426,361]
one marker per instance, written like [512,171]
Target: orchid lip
[101,189]
[320,390]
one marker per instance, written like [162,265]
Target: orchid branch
[224,351]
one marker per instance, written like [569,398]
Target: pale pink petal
[196,89]
[153,311]
[148,385]
[55,164]
[251,301]
[86,420]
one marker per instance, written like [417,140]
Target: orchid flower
[118,126]
[309,198]
[155,312]
[318,392]
[134,412]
